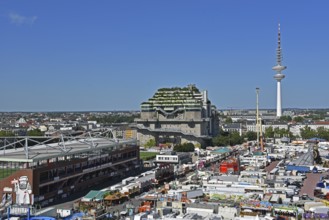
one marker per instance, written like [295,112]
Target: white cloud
[20,20]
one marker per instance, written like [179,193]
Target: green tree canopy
[4,133]
[225,138]
[282,133]
[298,119]
[269,132]
[307,133]
[115,118]
[150,143]
[228,120]
[186,147]
[34,132]
[285,118]
[251,135]
[322,133]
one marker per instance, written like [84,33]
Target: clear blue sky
[112,55]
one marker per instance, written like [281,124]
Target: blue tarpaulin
[303,169]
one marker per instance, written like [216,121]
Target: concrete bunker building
[178,115]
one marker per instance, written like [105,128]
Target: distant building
[234,127]
[177,115]
[295,129]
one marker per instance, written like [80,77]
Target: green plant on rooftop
[192,88]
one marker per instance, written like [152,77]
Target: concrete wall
[144,138]
[193,115]
[148,115]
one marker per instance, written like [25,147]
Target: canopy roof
[93,195]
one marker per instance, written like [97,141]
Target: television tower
[278,76]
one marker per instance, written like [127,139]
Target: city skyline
[87,56]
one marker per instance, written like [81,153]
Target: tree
[285,118]
[228,120]
[283,132]
[186,147]
[269,132]
[235,138]
[150,143]
[317,117]
[322,133]
[4,133]
[307,132]
[251,135]
[115,118]
[220,141]
[35,132]
[298,119]
[225,138]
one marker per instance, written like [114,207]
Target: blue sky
[112,55]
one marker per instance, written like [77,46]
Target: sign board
[19,210]
[7,189]
[64,212]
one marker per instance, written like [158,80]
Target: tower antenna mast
[279,76]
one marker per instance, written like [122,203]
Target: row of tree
[277,133]
[186,147]
[287,118]
[321,132]
[234,138]
[227,138]
[34,132]
[109,119]
[305,133]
